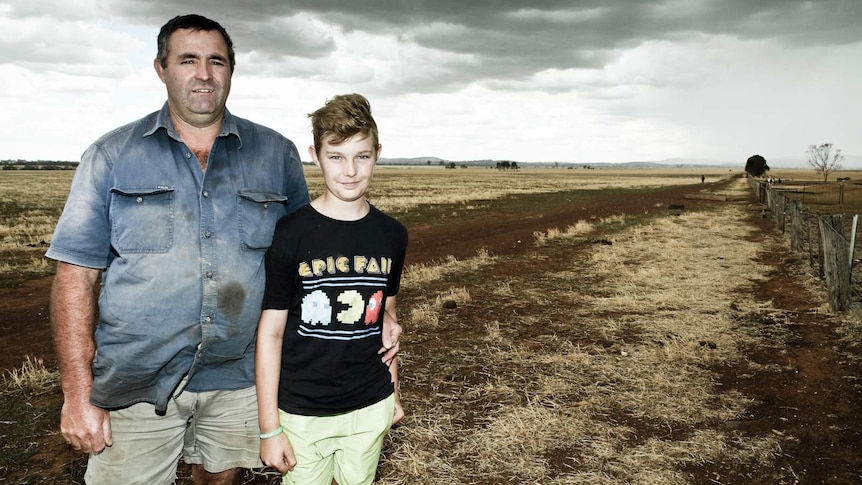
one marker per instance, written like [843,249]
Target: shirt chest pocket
[142,219]
[258,212]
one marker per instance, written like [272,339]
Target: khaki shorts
[345,447]
[216,429]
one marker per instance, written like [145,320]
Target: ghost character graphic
[316,308]
[372,311]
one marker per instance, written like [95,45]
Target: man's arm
[390,315]
[391,332]
[73,312]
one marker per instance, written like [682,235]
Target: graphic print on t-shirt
[338,291]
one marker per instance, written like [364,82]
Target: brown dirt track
[812,401]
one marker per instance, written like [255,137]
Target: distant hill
[851,162]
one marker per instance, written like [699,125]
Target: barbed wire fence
[825,238]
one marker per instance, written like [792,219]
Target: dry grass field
[32,200]
[30,203]
[561,327]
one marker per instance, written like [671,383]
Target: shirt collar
[163,120]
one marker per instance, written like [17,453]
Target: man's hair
[342,117]
[193,22]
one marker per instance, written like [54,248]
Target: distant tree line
[37,165]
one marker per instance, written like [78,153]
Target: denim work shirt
[182,253]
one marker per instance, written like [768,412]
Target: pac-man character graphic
[355,304]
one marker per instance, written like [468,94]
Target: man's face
[197,76]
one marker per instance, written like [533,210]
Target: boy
[325,398]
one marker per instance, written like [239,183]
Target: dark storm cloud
[517,38]
[499,40]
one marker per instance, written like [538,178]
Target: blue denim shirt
[182,253]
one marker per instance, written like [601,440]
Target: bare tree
[823,159]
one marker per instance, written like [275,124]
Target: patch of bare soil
[24,325]
[809,396]
[808,401]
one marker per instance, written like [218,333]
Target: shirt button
[206,194]
[209,274]
[207,319]
[208,234]
[188,155]
[139,200]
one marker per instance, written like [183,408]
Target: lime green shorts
[345,447]
[217,429]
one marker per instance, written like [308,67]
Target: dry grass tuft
[32,377]
[416,275]
[459,295]
[425,314]
[578,229]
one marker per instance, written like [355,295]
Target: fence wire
[790,205]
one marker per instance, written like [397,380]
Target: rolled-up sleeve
[83,233]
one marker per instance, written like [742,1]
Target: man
[173,213]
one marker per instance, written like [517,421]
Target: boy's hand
[278,453]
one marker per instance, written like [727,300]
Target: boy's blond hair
[342,117]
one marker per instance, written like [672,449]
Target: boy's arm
[389,314]
[275,450]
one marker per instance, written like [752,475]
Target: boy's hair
[192,22]
[340,118]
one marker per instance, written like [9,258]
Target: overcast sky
[542,80]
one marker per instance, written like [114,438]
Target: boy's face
[347,167]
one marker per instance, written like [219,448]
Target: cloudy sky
[543,80]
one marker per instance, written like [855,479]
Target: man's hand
[86,427]
[391,333]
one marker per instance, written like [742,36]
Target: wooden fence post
[796,226]
[778,210]
[809,238]
[852,247]
[836,269]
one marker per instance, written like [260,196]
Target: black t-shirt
[333,277]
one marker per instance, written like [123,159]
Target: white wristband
[272,434]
